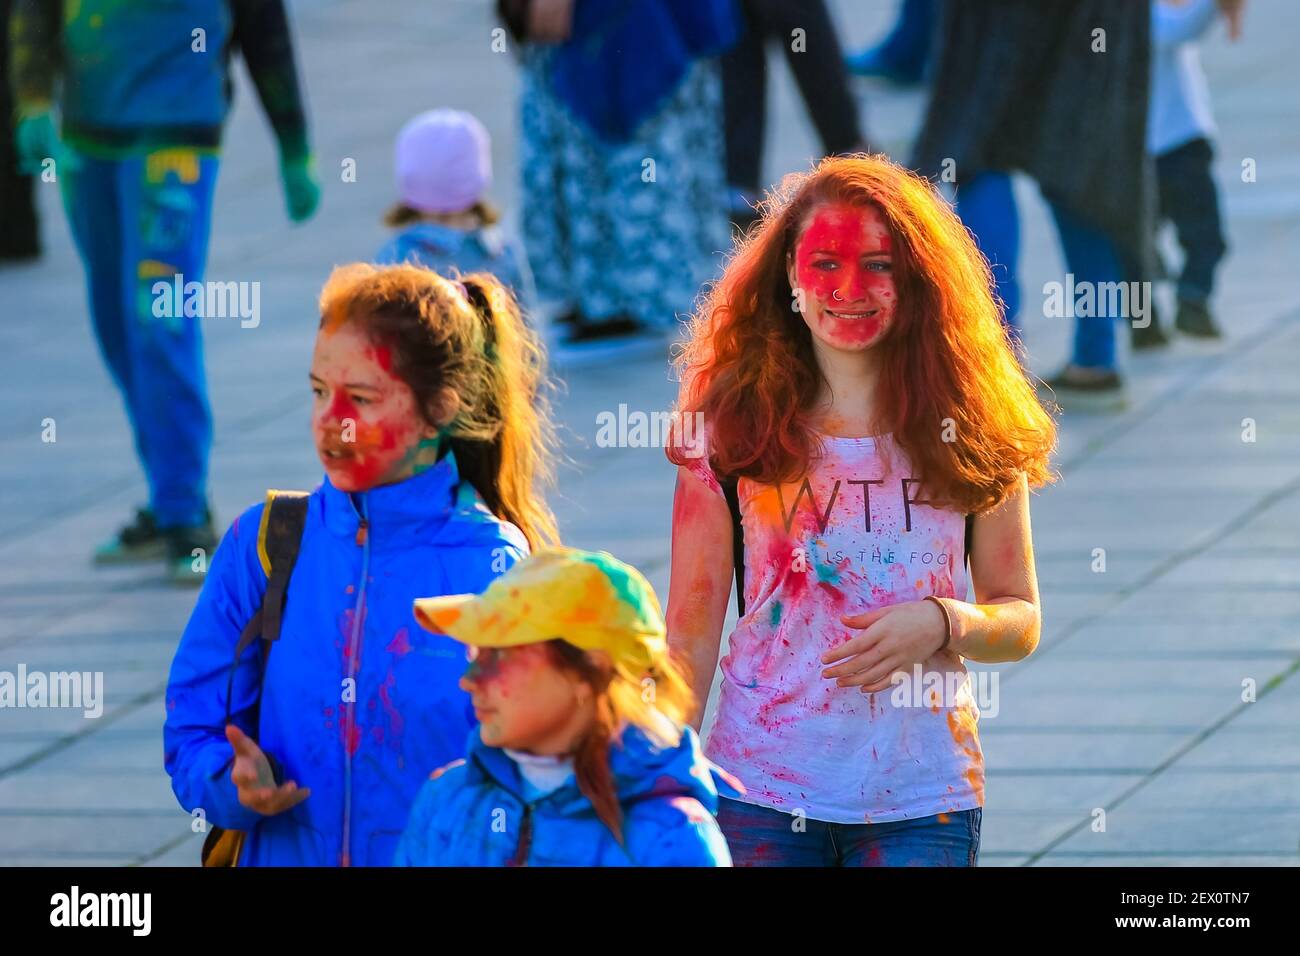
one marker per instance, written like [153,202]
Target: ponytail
[514,456]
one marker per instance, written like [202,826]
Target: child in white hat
[443,165]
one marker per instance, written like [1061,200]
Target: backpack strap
[730,490]
[970,531]
[279,536]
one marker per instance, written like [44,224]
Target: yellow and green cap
[588,598]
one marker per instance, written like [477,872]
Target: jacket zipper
[525,838]
[354,646]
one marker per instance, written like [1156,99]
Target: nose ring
[835,294]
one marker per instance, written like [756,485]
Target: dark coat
[1017,86]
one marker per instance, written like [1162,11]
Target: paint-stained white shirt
[848,539]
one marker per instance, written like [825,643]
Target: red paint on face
[843,263]
[365,422]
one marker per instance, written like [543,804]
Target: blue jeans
[137,221]
[987,206]
[760,836]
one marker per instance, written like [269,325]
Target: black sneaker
[139,541]
[1084,389]
[1151,337]
[1194,319]
[189,550]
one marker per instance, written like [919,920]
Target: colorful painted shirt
[848,538]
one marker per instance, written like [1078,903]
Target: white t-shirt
[1180,94]
[849,538]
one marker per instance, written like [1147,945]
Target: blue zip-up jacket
[348,614]
[474,813]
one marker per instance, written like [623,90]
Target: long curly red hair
[749,366]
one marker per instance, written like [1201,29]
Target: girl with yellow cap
[582,756]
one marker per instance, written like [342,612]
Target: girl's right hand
[251,773]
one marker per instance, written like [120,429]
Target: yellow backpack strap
[279,535]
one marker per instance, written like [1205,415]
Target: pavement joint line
[67,740]
[166,847]
[1200,737]
[100,599]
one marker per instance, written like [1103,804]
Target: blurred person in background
[815,59]
[904,54]
[143,89]
[20,238]
[443,165]
[1058,90]
[1180,133]
[624,192]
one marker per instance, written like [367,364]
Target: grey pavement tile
[1021,754]
[1112,638]
[185,853]
[75,789]
[73,858]
[116,838]
[1151,827]
[1231,858]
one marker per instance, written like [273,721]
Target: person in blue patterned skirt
[622,159]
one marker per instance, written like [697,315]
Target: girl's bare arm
[1004,622]
[700,582]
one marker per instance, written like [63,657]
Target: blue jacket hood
[473,812]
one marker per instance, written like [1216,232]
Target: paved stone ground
[1133,703]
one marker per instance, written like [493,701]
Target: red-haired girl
[860,399]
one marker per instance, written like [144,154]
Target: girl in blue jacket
[427,420]
[582,757]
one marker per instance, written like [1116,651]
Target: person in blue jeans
[987,206]
[144,91]
[761,836]
[1006,98]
